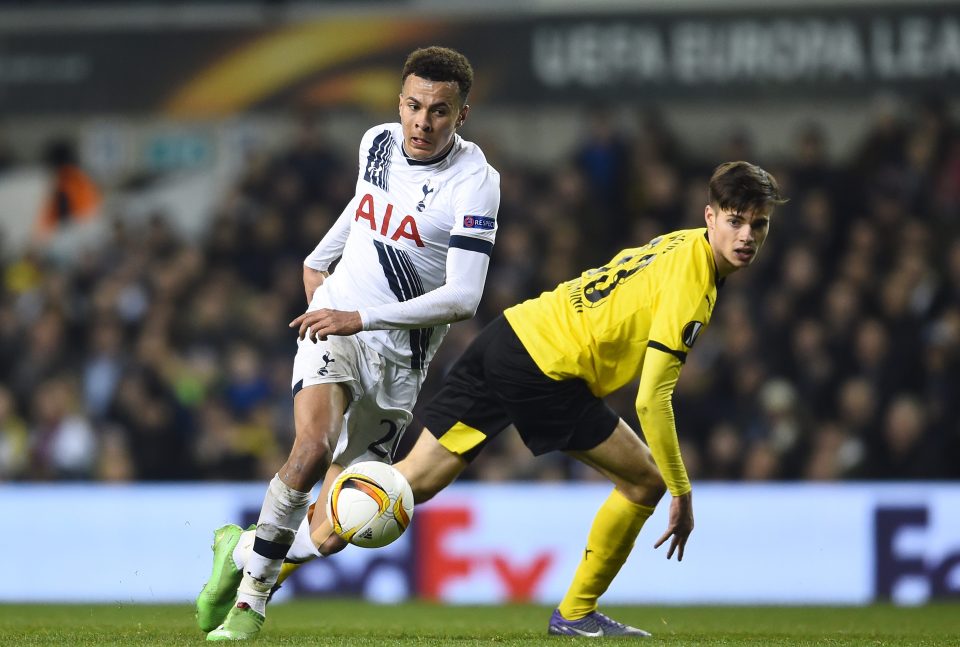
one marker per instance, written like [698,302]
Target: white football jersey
[393,236]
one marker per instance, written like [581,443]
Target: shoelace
[609,620]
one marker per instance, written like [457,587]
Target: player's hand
[324,322]
[680,525]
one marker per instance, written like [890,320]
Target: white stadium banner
[491,543]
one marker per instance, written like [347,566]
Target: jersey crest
[690,333]
[426,193]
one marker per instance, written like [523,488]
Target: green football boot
[220,592]
[242,623]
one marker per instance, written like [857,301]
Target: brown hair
[742,187]
[440,64]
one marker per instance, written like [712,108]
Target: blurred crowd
[837,356]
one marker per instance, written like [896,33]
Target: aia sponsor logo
[384,222]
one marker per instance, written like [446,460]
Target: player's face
[430,113]
[736,238]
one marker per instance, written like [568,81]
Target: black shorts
[496,382]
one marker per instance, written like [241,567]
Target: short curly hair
[440,64]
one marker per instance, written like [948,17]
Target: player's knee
[424,488]
[647,489]
[655,487]
[310,455]
[422,495]
[310,451]
[332,544]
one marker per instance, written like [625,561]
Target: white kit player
[413,246]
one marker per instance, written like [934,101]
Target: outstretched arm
[455,300]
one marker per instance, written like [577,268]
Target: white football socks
[284,509]
[241,553]
[302,549]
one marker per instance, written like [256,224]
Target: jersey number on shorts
[392,435]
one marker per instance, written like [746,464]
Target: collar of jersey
[413,162]
[716,271]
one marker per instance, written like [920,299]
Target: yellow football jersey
[600,326]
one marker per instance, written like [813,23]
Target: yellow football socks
[614,531]
[287,569]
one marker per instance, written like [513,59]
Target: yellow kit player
[545,365]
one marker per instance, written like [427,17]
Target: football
[370,504]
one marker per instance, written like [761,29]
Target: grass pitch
[343,623]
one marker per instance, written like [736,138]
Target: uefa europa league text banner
[195,71]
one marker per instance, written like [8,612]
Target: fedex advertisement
[496,543]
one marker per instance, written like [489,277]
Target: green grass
[345,623]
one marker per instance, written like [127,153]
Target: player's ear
[400,103]
[709,217]
[462,117]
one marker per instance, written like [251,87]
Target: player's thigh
[326,379]
[627,462]
[430,467]
[318,413]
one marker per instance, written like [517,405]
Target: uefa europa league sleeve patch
[690,333]
[478,222]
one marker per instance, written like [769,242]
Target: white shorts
[383,394]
